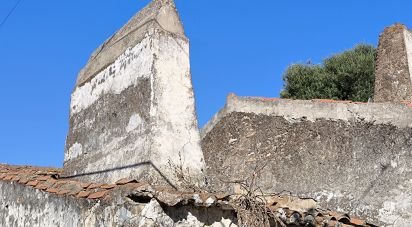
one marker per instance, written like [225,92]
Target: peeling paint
[142,110]
[25,206]
[134,122]
[408,46]
[126,71]
[75,151]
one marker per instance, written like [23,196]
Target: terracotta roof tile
[52,190]
[108,186]
[60,183]
[32,183]
[16,178]
[71,184]
[41,187]
[83,194]
[357,221]
[319,219]
[51,181]
[63,192]
[204,196]
[8,177]
[125,181]
[94,186]
[43,179]
[74,192]
[85,185]
[221,196]
[332,223]
[24,180]
[97,195]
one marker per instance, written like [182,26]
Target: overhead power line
[10,13]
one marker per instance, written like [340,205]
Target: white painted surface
[134,123]
[116,156]
[408,44]
[49,211]
[173,142]
[397,211]
[75,151]
[176,136]
[153,215]
[126,71]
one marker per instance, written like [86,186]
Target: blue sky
[237,46]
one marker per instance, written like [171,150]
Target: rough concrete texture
[349,157]
[132,112]
[24,206]
[32,196]
[394,65]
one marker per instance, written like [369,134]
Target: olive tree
[346,76]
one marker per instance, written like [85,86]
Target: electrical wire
[10,13]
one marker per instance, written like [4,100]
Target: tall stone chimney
[394,65]
[132,112]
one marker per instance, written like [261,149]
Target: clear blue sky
[237,46]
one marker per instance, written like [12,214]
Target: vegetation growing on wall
[346,76]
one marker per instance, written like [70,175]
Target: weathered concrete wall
[25,206]
[394,65]
[132,111]
[33,196]
[350,157]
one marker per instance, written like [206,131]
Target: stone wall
[352,157]
[25,206]
[132,111]
[32,196]
[394,65]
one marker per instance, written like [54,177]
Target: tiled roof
[47,180]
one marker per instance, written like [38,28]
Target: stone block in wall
[132,112]
[351,157]
[394,65]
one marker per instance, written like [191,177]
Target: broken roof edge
[395,27]
[161,14]
[397,114]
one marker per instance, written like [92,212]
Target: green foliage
[346,76]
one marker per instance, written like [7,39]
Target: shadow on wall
[148,163]
[210,216]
